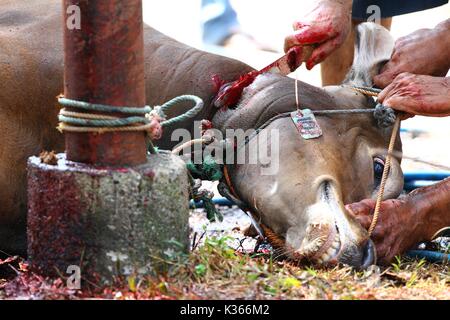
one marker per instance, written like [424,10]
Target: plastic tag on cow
[306,124]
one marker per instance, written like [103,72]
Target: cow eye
[378,168]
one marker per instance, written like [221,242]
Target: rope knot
[157,112]
[385,116]
[155,128]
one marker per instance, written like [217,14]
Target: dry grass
[214,270]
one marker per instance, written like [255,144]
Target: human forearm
[406,221]
[443,29]
[418,95]
[325,27]
[432,207]
[347,4]
[423,52]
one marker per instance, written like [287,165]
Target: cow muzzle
[331,236]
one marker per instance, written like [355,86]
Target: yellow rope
[90,116]
[190,143]
[365,92]
[387,165]
[386,170]
[68,128]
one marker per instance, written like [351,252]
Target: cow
[302,204]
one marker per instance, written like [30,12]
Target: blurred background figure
[221,27]
[219,21]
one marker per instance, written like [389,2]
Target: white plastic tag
[306,123]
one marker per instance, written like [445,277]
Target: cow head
[301,202]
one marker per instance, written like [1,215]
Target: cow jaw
[329,237]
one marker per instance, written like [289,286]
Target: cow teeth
[335,245]
[330,253]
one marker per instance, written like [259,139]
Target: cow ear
[373,48]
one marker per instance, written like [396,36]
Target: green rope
[103,123]
[103,108]
[209,169]
[212,213]
[190,114]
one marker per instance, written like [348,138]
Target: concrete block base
[107,221]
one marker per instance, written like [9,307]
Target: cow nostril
[369,255]
[360,257]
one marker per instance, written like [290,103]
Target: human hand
[406,221]
[423,52]
[326,27]
[398,228]
[418,95]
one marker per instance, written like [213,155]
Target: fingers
[364,207]
[400,103]
[399,81]
[391,69]
[389,72]
[393,95]
[304,36]
[362,211]
[385,78]
[364,221]
[295,58]
[322,52]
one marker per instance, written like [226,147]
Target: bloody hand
[425,52]
[406,221]
[397,228]
[418,95]
[326,27]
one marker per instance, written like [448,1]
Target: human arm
[325,27]
[423,52]
[406,221]
[418,95]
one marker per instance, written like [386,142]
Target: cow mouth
[323,241]
[331,240]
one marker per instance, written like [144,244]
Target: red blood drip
[218,82]
[205,126]
[232,94]
[294,58]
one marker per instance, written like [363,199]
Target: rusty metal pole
[104,207]
[104,64]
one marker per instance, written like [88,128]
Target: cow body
[31,73]
[291,202]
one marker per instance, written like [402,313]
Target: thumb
[365,207]
[387,74]
[384,79]
[362,212]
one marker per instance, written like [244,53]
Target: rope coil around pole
[141,119]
